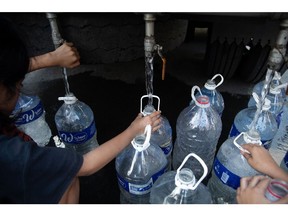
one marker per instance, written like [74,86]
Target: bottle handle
[145,96]
[194,88]
[239,146]
[146,144]
[205,171]
[221,81]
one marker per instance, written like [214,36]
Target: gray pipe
[56,36]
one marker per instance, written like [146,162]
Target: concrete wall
[101,37]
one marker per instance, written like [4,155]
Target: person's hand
[140,122]
[252,191]
[259,158]
[66,56]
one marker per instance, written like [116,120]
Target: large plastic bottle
[138,166]
[276,81]
[266,123]
[277,98]
[230,166]
[163,136]
[198,129]
[276,190]
[76,125]
[215,97]
[279,145]
[30,118]
[180,187]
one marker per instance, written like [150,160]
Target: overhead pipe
[58,41]
[150,45]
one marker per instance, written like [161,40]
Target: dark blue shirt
[32,174]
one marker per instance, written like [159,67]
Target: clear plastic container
[29,117]
[198,129]
[138,166]
[76,125]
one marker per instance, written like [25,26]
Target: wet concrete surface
[114,93]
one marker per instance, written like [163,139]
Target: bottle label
[78,137]
[234,131]
[226,177]
[167,147]
[30,115]
[139,189]
[286,159]
[266,143]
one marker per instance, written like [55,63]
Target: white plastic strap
[194,185]
[193,94]
[144,96]
[68,99]
[221,81]
[146,144]
[247,139]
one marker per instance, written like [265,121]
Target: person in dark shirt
[32,174]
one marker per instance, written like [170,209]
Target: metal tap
[150,45]
[56,36]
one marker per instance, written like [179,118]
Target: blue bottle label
[286,159]
[139,189]
[30,115]
[225,176]
[78,137]
[234,131]
[266,143]
[278,118]
[167,149]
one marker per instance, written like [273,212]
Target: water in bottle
[230,166]
[29,117]
[198,129]
[276,190]
[138,166]
[266,123]
[180,187]
[215,97]
[163,136]
[76,125]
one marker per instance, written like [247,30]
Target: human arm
[252,191]
[102,155]
[261,160]
[64,56]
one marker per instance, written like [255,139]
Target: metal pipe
[56,36]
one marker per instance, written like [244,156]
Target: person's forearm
[278,173]
[41,61]
[102,155]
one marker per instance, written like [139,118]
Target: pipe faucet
[56,36]
[150,45]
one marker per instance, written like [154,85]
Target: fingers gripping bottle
[29,117]
[215,97]
[198,129]
[266,123]
[163,136]
[138,166]
[76,125]
[230,166]
[180,187]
